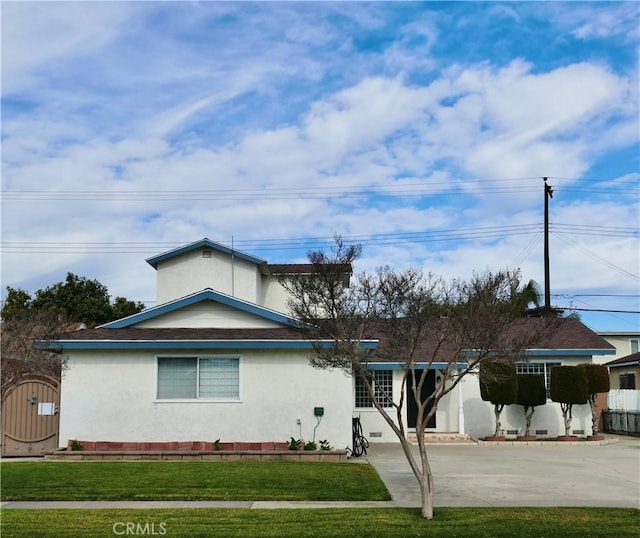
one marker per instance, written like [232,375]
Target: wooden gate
[30,419]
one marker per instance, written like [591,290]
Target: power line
[453,187]
[394,238]
[569,295]
[596,257]
[599,310]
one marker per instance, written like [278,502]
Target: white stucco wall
[479,418]
[274,296]
[111,396]
[480,421]
[190,273]
[208,314]
[376,429]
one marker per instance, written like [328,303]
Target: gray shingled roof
[567,334]
[633,359]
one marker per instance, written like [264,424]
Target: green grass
[455,522]
[163,481]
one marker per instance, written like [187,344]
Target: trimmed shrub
[498,385]
[531,390]
[568,387]
[531,393]
[597,378]
[597,382]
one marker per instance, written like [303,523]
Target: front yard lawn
[325,523]
[202,481]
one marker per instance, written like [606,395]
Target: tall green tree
[76,298]
[22,357]
[528,294]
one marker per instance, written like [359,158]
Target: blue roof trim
[194,344]
[204,295]
[155,260]
[558,352]
[568,352]
[418,365]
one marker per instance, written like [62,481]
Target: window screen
[194,377]
[177,377]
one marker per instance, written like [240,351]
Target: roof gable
[204,295]
[629,360]
[207,243]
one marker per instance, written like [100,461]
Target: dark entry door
[427,388]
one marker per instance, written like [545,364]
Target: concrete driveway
[505,475]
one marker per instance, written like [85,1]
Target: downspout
[460,408]
[233,294]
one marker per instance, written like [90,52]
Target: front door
[428,387]
[30,418]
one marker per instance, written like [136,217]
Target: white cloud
[36,35]
[296,104]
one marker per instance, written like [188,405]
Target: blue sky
[421,130]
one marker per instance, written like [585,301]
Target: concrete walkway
[466,475]
[517,475]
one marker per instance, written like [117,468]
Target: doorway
[428,387]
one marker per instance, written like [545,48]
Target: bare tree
[418,321]
[24,352]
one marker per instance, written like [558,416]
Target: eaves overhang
[548,352]
[624,364]
[204,295]
[397,365]
[204,243]
[67,345]
[567,352]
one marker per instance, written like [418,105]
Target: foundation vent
[375,434]
[578,432]
[542,432]
[512,432]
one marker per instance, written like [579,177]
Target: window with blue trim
[198,378]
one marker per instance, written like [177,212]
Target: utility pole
[548,193]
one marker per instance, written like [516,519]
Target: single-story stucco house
[219,358]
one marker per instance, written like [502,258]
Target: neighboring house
[624,375]
[623,415]
[219,358]
[625,372]
[626,343]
